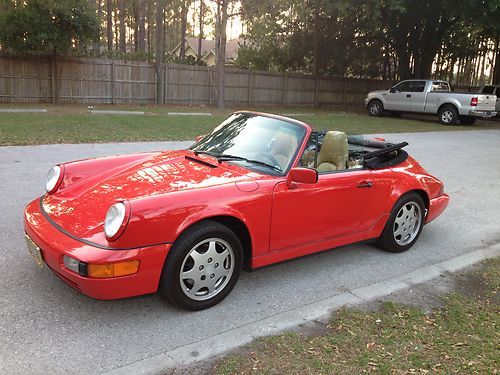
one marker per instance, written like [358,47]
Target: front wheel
[375,108]
[448,115]
[202,267]
[404,225]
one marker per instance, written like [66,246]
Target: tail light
[473,102]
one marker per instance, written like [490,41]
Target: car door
[399,97]
[417,96]
[335,206]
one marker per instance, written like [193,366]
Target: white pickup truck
[431,97]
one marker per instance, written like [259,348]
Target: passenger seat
[334,153]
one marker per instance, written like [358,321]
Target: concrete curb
[115,112]
[223,342]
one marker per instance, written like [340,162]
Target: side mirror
[198,137]
[392,90]
[301,175]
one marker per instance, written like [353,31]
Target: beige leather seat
[334,154]
[283,147]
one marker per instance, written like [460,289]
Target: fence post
[112,81]
[165,85]
[316,91]
[52,80]
[250,87]
[209,76]
[284,89]
[344,92]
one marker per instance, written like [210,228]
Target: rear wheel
[448,115]
[375,108]
[202,267]
[467,120]
[404,225]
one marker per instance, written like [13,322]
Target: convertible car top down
[257,190]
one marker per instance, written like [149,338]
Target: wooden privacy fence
[93,81]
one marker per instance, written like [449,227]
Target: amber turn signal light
[113,269]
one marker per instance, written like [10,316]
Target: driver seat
[283,147]
[334,153]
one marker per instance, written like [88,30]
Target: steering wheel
[271,158]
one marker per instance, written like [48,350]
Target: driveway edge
[226,341]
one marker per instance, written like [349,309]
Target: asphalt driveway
[47,327]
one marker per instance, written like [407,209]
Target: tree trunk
[316,40]
[97,45]
[150,22]
[141,27]
[496,72]
[182,52]
[109,23]
[159,49]
[221,50]
[200,37]
[121,10]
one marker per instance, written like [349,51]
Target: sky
[234,24]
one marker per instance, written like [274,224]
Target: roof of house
[208,46]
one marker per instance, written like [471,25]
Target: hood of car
[80,207]
[377,92]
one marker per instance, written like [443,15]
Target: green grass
[463,337]
[74,124]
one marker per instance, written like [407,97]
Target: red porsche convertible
[257,190]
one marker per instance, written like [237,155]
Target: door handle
[408,95]
[365,184]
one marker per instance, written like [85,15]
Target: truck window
[417,86]
[440,86]
[490,90]
[403,87]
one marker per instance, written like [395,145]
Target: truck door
[399,97]
[418,94]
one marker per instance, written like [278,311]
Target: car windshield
[254,141]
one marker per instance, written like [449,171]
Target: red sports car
[257,190]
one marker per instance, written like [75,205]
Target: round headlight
[53,179]
[115,219]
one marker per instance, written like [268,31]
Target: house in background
[208,50]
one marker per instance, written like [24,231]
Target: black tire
[448,115]
[170,283]
[375,108]
[387,240]
[467,120]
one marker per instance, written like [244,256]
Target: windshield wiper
[223,157]
[206,153]
[227,157]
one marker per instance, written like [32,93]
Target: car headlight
[54,178]
[115,221]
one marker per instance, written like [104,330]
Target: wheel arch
[423,194]
[448,104]
[237,226]
[375,98]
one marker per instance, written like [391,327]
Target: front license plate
[35,252]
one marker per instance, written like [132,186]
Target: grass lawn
[462,337]
[74,124]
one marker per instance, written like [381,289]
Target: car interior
[332,151]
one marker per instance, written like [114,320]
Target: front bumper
[436,207]
[54,245]
[482,113]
